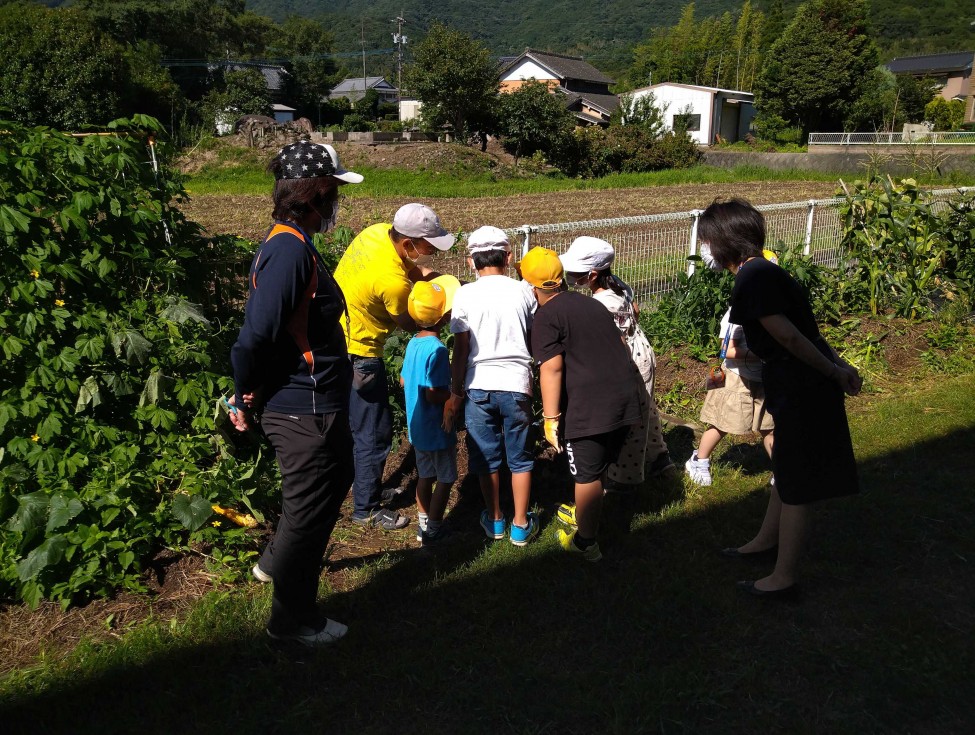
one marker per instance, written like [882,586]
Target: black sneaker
[661,465]
[390,494]
[438,538]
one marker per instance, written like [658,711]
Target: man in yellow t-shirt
[376,274]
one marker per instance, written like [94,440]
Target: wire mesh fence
[930,138]
[652,250]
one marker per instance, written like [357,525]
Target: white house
[409,109]
[710,111]
[585,89]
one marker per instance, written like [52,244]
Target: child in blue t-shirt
[426,381]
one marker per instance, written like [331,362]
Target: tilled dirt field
[249,216]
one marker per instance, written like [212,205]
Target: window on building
[690,123]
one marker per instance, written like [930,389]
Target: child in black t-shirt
[590,388]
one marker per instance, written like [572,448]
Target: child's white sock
[422,520]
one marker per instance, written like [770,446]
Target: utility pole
[400,40]
[363,27]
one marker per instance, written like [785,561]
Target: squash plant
[114,339]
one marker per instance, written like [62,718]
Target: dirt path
[248,216]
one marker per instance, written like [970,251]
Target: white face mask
[708,259]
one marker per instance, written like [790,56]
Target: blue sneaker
[521,536]
[493,529]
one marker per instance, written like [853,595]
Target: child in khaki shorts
[736,408]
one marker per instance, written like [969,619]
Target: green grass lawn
[656,639]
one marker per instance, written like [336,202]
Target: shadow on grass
[656,639]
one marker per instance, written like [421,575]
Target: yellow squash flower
[59,302]
[35,437]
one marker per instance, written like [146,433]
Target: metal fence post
[809,226]
[693,244]
[526,244]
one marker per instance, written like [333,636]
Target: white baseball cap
[418,220]
[487,238]
[587,254]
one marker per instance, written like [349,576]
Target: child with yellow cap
[425,376]
[590,389]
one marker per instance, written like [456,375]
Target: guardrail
[934,138]
[652,250]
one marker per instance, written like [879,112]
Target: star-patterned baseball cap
[307,160]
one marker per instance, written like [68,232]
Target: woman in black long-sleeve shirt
[290,362]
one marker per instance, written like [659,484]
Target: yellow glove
[552,431]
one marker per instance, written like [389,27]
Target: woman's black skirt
[812,458]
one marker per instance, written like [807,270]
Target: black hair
[294,199]
[734,229]
[489,259]
[604,279]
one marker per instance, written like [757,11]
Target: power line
[280,60]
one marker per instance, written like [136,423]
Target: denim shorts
[496,416]
[438,463]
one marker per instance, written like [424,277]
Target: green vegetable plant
[115,344]
[908,251]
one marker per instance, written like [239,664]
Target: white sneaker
[699,470]
[332,631]
[260,575]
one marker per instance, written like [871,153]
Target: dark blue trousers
[371,421]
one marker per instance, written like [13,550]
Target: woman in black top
[290,363]
[805,380]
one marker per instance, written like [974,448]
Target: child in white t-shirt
[491,369]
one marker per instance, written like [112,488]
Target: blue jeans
[371,421]
[496,416]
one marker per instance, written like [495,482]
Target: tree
[819,67]
[888,101]
[722,52]
[945,114]
[531,118]
[774,24]
[643,112]
[457,81]
[242,92]
[913,95]
[876,108]
[312,73]
[59,68]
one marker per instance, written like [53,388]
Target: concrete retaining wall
[368,138]
[899,163]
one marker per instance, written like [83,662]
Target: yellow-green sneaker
[567,540]
[567,514]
